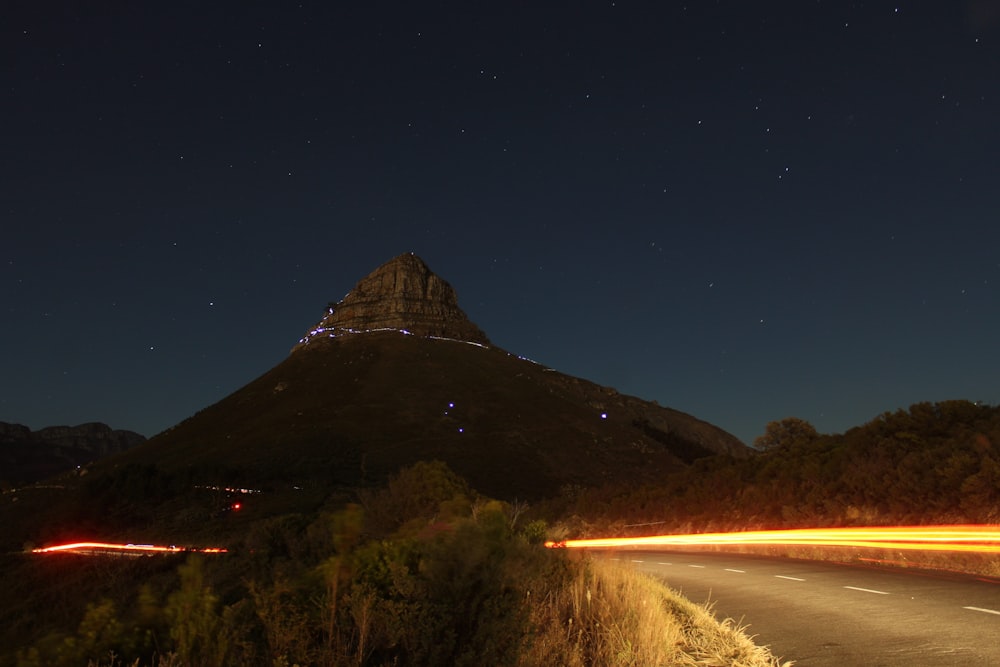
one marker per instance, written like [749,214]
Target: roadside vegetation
[422,571]
[934,463]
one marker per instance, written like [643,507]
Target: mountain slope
[396,373]
[360,407]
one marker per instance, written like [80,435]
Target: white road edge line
[985,611]
[698,566]
[729,569]
[781,576]
[866,590]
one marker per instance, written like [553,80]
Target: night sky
[743,210]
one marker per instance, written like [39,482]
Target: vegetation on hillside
[423,571]
[932,463]
[419,572]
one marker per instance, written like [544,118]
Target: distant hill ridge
[29,456]
[396,373]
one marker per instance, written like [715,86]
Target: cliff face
[403,295]
[13,433]
[96,438]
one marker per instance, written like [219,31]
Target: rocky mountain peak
[402,295]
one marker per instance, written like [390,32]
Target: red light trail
[112,549]
[969,538]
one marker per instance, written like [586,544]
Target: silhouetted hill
[396,373]
[357,408]
[28,456]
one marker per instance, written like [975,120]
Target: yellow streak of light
[970,538]
[110,547]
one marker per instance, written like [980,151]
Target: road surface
[823,614]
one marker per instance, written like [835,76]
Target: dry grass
[613,616]
[609,615]
[169,660]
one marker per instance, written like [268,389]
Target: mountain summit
[401,295]
[356,400]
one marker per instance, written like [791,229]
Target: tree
[786,434]
[416,494]
[201,634]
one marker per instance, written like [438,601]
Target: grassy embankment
[610,615]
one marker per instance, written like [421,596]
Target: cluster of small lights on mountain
[967,538]
[451,406]
[339,331]
[230,489]
[334,332]
[456,340]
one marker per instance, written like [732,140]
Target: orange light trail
[110,548]
[969,538]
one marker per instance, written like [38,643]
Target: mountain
[396,373]
[29,456]
[402,295]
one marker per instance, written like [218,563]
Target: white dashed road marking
[995,612]
[638,561]
[866,590]
[985,611]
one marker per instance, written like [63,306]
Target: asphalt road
[823,614]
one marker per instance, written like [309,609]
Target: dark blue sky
[745,211]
